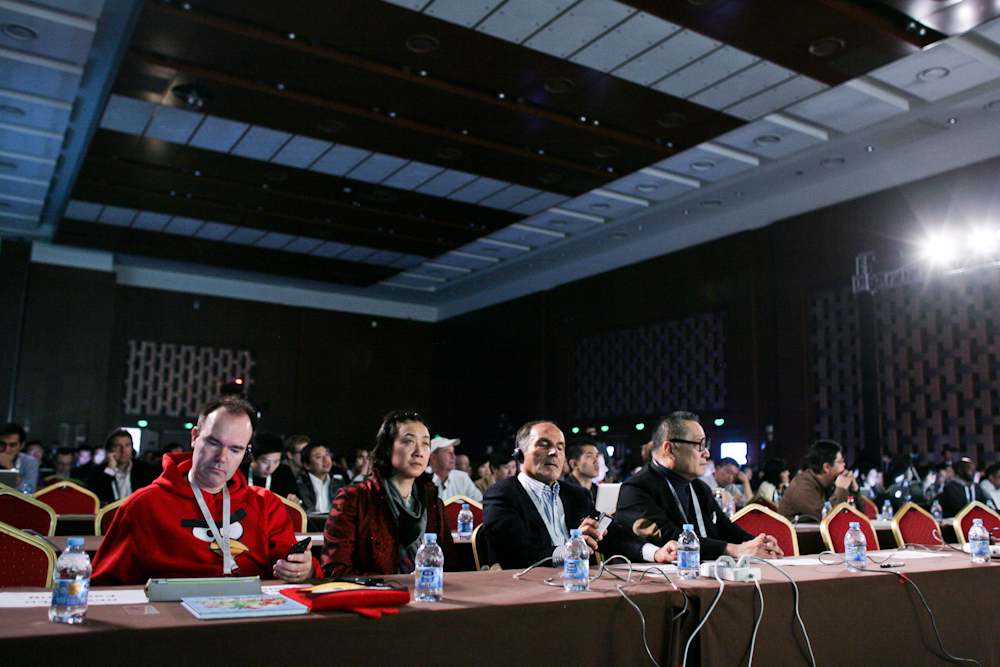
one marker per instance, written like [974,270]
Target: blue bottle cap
[688,526]
[854,524]
[465,506]
[977,522]
[78,541]
[430,537]
[575,532]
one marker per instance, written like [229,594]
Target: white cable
[812,658]
[753,639]
[722,587]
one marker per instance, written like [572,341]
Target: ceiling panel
[682,48]
[462,12]
[938,72]
[517,20]
[639,33]
[574,29]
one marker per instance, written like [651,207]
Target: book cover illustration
[242,606]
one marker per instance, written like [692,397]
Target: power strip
[994,549]
[739,574]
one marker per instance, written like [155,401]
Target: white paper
[95,598]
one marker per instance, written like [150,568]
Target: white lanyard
[222,539]
[694,501]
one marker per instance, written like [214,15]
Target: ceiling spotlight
[600,206]
[711,203]
[422,43]
[646,187]
[826,47]
[558,86]
[833,161]
[21,33]
[703,165]
[992,106]
[767,140]
[9,110]
[194,97]
[933,74]
[939,248]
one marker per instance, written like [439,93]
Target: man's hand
[762,546]
[294,498]
[667,553]
[110,461]
[294,568]
[845,480]
[589,529]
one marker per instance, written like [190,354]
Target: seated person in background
[775,479]
[729,477]
[292,454]
[12,437]
[172,448]
[163,530]
[581,455]
[501,465]
[462,463]
[318,483]
[666,494]
[824,477]
[63,463]
[266,470]
[961,491]
[361,465]
[121,473]
[84,462]
[449,481]
[990,486]
[527,518]
[376,527]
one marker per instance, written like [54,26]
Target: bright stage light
[939,248]
[983,240]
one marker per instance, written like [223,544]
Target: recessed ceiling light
[703,165]
[600,206]
[952,121]
[933,73]
[825,47]
[711,203]
[672,120]
[330,125]
[992,106]
[559,86]
[422,43]
[194,97]
[21,33]
[4,204]
[606,151]
[8,166]
[449,153]
[833,161]
[767,139]
[646,187]
[9,110]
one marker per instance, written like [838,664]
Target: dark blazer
[516,535]
[307,494]
[953,498]
[648,508]
[360,536]
[282,481]
[142,474]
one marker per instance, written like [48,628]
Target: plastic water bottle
[887,510]
[827,507]
[979,542]
[26,487]
[688,553]
[729,509]
[856,548]
[429,570]
[937,512]
[576,563]
[465,522]
[71,584]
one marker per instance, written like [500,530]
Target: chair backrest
[871,509]
[69,498]
[453,506]
[912,524]
[104,517]
[25,512]
[27,560]
[974,510]
[836,524]
[757,518]
[607,497]
[300,520]
[479,551]
[761,500]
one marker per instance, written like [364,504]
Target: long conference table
[489,618]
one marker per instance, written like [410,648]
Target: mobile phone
[300,547]
[603,521]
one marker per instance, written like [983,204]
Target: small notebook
[242,606]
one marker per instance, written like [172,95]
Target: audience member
[292,455]
[729,477]
[376,526]
[449,481]
[480,469]
[775,479]
[824,477]
[172,448]
[360,465]
[84,462]
[962,490]
[64,463]
[318,484]
[502,465]
[35,450]
[462,463]
[266,470]
[175,527]
[528,518]
[581,454]
[990,486]
[666,494]
[122,474]
[12,437]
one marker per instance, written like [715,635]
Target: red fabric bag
[367,601]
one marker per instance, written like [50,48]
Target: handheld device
[603,521]
[300,547]
[892,564]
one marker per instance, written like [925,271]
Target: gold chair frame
[897,532]
[74,486]
[35,542]
[824,525]
[757,507]
[304,526]
[7,491]
[959,533]
[103,511]
[459,498]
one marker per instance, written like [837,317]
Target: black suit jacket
[307,494]
[647,507]
[142,474]
[953,498]
[516,536]
[282,481]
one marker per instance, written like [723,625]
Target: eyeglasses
[703,445]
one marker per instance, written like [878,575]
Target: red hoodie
[159,531]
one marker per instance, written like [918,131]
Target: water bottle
[827,507]
[979,542]
[777,497]
[429,570]
[688,553]
[887,510]
[937,512]
[71,584]
[855,548]
[576,563]
[729,509]
[465,522]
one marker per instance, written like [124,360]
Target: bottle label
[430,577]
[70,592]
[576,569]
[855,554]
[979,547]
[689,560]
[464,527]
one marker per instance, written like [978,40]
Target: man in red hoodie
[174,526]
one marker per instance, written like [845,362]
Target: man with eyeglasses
[824,477]
[666,494]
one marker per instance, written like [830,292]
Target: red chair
[974,510]
[757,518]
[103,519]
[27,560]
[871,509]
[913,524]
[836,524]
[764,502]
[69,498]
[26,513]
[454,505]
[300,520]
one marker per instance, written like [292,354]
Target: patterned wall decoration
[170,380]
[652,369]
[939,363]
[837,369]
